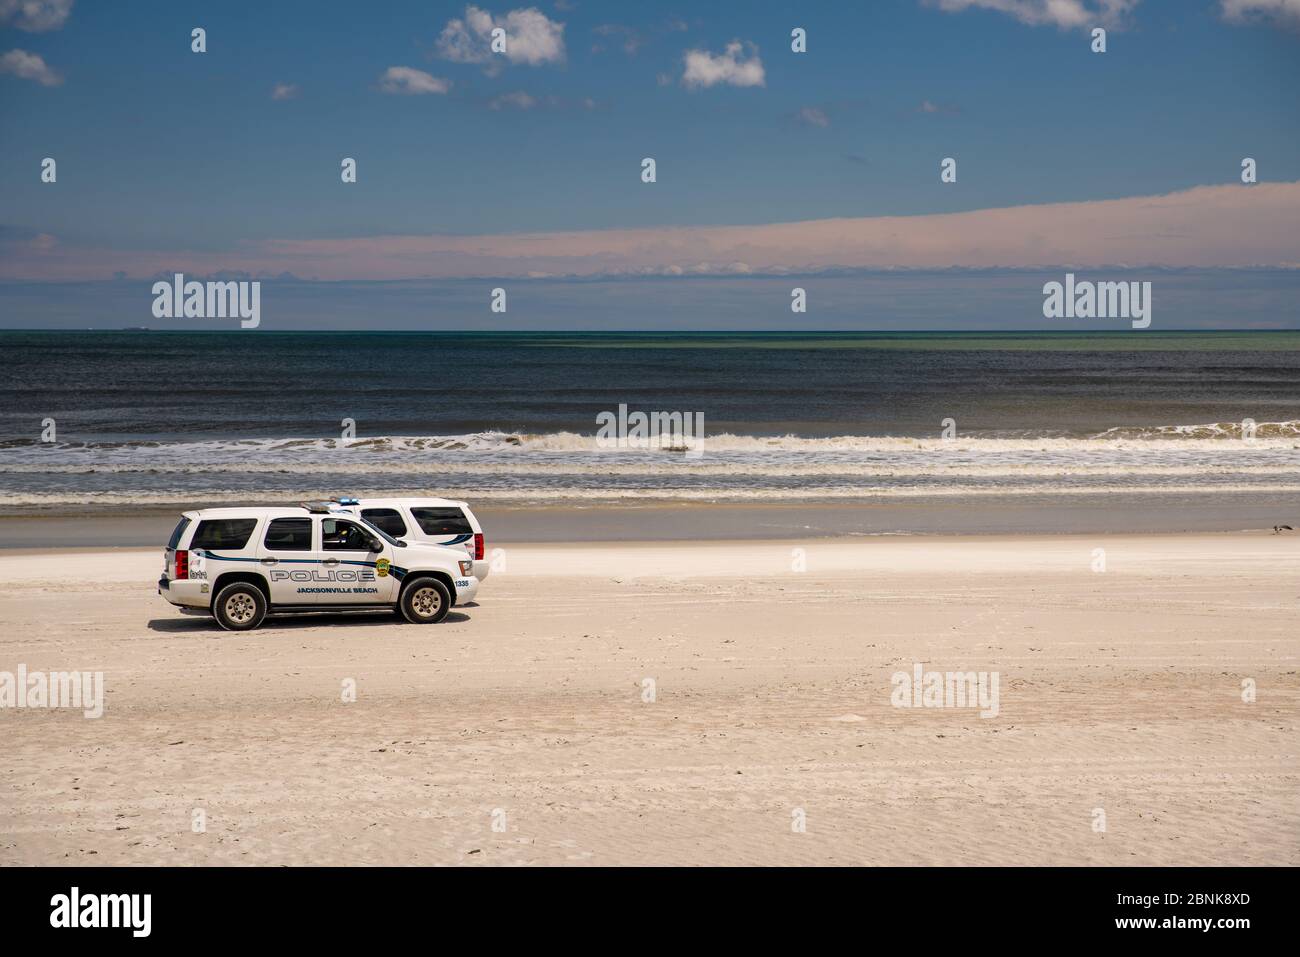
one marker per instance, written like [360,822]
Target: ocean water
[154,418]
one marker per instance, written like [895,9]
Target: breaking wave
[566,466]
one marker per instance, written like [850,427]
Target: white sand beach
[1120,694]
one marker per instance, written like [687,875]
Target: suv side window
[178,532]
[340,536]
[386,520]
[230,533]
[442,521]
[288,535]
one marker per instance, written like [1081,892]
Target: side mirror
[376,545]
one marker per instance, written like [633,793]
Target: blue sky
[163,151]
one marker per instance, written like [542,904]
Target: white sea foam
[1215,436]
[1182,460]
[568,496]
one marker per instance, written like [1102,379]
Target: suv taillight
[182,563]
[478,546]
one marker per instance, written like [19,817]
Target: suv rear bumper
[184,591]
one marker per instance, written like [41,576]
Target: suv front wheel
[239,607]
[425,601]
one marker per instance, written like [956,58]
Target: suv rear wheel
[239,607]
[425,601]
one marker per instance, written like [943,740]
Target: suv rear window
[223,533]
[288,535]
[386,520]
[442,521]
[178,532]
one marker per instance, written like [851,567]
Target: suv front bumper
[466,590]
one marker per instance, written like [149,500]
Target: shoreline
[124,527]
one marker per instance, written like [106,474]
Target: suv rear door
[287,553]
[388,520]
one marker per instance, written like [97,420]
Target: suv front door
[350,572]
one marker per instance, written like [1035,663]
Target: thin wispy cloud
[1064,14]
[1281,12]
[630,39]
[285,91]
[405,80]
[633,39]
[813,116]
[731,67]
[35,16]
[532,38]
[517,100]
[1204,227]
[29,66]
[523,100]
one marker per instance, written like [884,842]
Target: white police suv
[240,564]
[434,521]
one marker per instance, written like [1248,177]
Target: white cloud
[518,100]
[29,66]
[284,91]
[35,16]
[1065,14]
[1280,11]
[704,69]
[812,116]
[405,79]
[531,37]
[1204,227]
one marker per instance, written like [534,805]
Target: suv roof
[297,511]
[253,511]
[408,500]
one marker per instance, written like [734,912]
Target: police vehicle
[434,521]
[241,564]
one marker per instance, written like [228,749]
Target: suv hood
[412,549]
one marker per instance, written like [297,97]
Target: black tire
[240,606]
[425,601]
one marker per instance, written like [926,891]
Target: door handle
[270,561]
[330,562]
